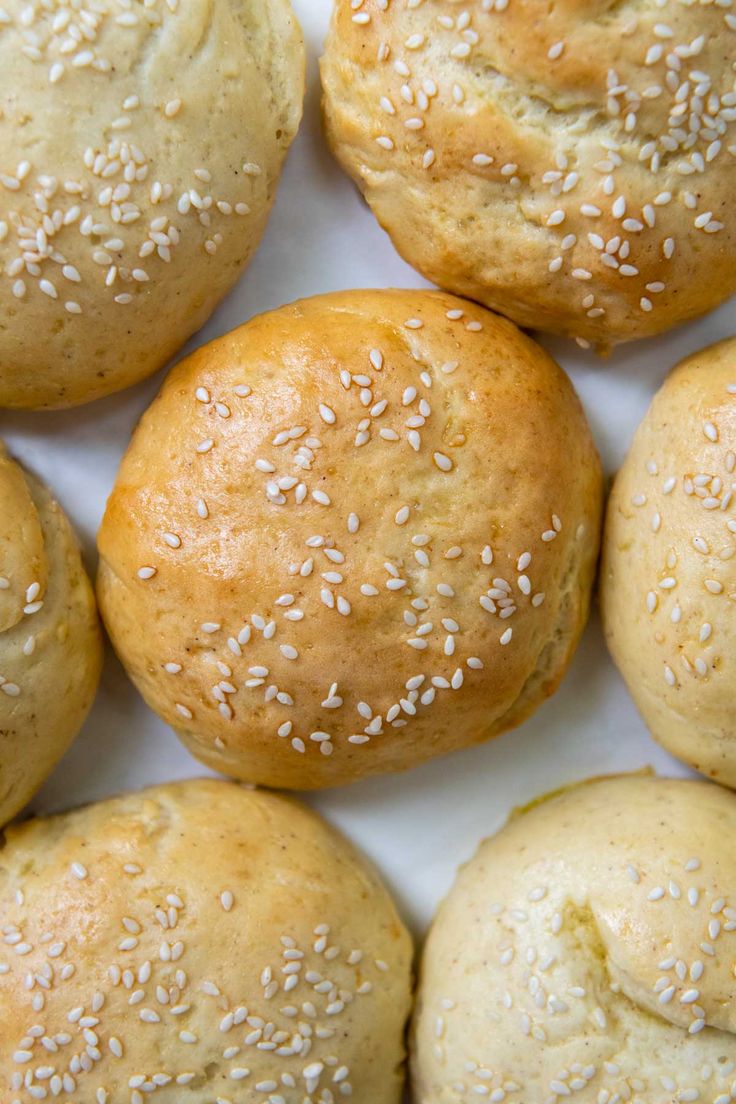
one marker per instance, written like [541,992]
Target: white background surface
[418,826]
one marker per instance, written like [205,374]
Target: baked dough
[140,148]
[586,953]
[570,164]
[197,942]
[354,534]
[50,645]
[668,582]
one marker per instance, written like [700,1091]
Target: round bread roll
[586,953]
[569,165]
[668,580]
[197,942]
[354,534]
[141,148]
[50,644]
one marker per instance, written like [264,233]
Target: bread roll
[50,646]
[197,942]
[668,583]
[352,535]
[586,953]
[141,148]
[568,164]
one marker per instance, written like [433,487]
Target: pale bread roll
[668,580]
[141,145]
[571,165]
[50,644]
[197,942]
[586,953]
[356,533]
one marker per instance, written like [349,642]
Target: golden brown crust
[596,934]
[540,159]
[137,173]
[204,940]
[384,585]
[668,582]
[50,642]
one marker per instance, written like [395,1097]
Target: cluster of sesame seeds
[546,990]
[69,35]
[681,976]
[281,1040]
[665,132]
[693,580]
[260,660]
[105,223]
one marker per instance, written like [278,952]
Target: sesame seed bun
[141,148]
[571,165]
[197,942]
[668,583]
[586,953]
[50,644]
[354,534]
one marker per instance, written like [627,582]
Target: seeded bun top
[50,647]
[668,581]
[586,953]
[141,146]
[570,165]
[197,942]
[354,534]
